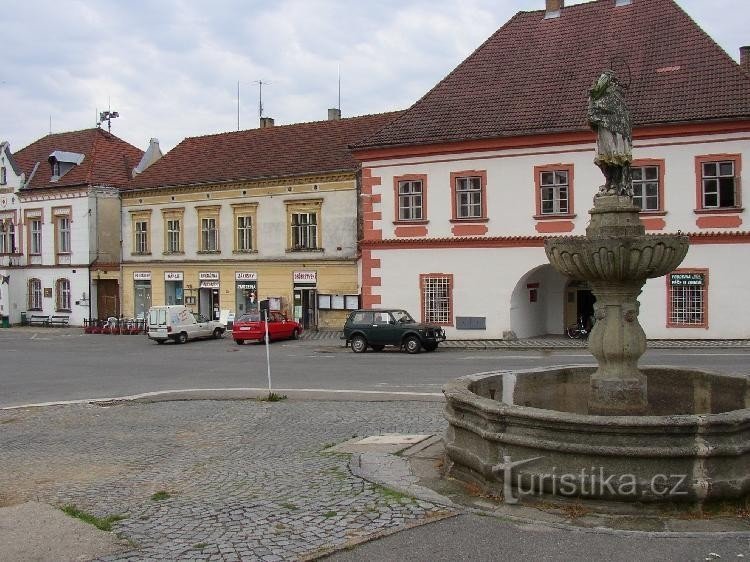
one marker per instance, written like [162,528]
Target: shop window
[687,298]
[437,298]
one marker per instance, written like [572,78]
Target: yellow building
[225,221]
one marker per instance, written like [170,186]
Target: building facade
[225,221]
[11,242]
[460,192]
[67,258]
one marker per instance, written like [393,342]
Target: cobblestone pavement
[245,480]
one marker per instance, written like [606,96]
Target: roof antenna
[260,95]
[339,106]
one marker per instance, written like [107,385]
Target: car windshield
[402,316]
[249,317]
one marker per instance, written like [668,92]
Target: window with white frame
[468,197]
[687,299]
[7,236]
[646,187]
[141,237]
[63,235]
[35,236]
[244,233]
[719,184]
[63,295]
[410,199]
[173,236]
[554,193]
[304,231]
[35,294]
[437,299]
[209,235]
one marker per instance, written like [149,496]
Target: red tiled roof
[108,160]
[533,75]
[272,152]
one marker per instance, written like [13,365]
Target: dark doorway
[585,300]
[107,298]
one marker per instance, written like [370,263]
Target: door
[107,298]
[306,308]
[142,299]
[381,331]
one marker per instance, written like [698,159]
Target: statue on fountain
[608,115]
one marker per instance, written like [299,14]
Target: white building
[461,190]
[66,265]
[11,180]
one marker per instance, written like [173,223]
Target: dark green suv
[381,327]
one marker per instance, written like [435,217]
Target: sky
[171,68]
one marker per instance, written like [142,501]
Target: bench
[38,319]
[59,320]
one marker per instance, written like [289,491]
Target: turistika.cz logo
[588,482]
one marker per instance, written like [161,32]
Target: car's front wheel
[295,334]
[412,344]
[359,344]
[218,332]
[182,337]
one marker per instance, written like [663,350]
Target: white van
[178,323]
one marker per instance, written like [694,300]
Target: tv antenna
[260,95]
[107,116]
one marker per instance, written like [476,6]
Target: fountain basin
[691,444]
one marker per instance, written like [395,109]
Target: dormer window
[63,162]
[3,175]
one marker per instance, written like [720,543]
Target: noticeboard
[686,279]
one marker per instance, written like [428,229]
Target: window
[719,183]
[409,200]
[35,236]
[304,231]
[208,224]
[63,235]
[687,299]
[173,236]
[244,226]
[468,190]
[3,175]
[437,298]
[648,184]
[141,237]
[173,242]
[209,235]
[35,294]
[7,236]
[554,186]
[62,297]
[304,218]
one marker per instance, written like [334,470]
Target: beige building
[225,221]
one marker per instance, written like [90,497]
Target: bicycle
[578,330]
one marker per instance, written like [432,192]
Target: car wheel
[378,347]
[430,346]
[359,344]
[182,337]
[239,342]
[412,344]
[218,332]
[295,334]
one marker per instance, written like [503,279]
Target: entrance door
[306,308]
[142,299]
[208,303]
[107,298]
[580,305]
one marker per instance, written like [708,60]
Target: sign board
[210,285]
[142,276]
[173,276]
[208,276]
[306,277]
[245,276]
[686,279]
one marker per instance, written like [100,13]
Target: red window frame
[705,158]
[538,170]
[704,299]
[423,277]
[455,176]
[410,177]
[659,163]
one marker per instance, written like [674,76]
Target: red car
[251,327]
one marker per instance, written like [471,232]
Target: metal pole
[268,354]
[238,105]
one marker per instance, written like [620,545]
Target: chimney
[266,122]
[334,114]
[553,8]
[745,58]
[152,154]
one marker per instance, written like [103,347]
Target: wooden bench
[59,320]
[38,319]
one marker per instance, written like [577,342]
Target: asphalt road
[52,365]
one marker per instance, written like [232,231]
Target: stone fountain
[658,433]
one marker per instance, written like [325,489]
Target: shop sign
[142,276]
[208,276]
[306,277]
[245,276]
[210,285]
[686,279]
[173,276]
